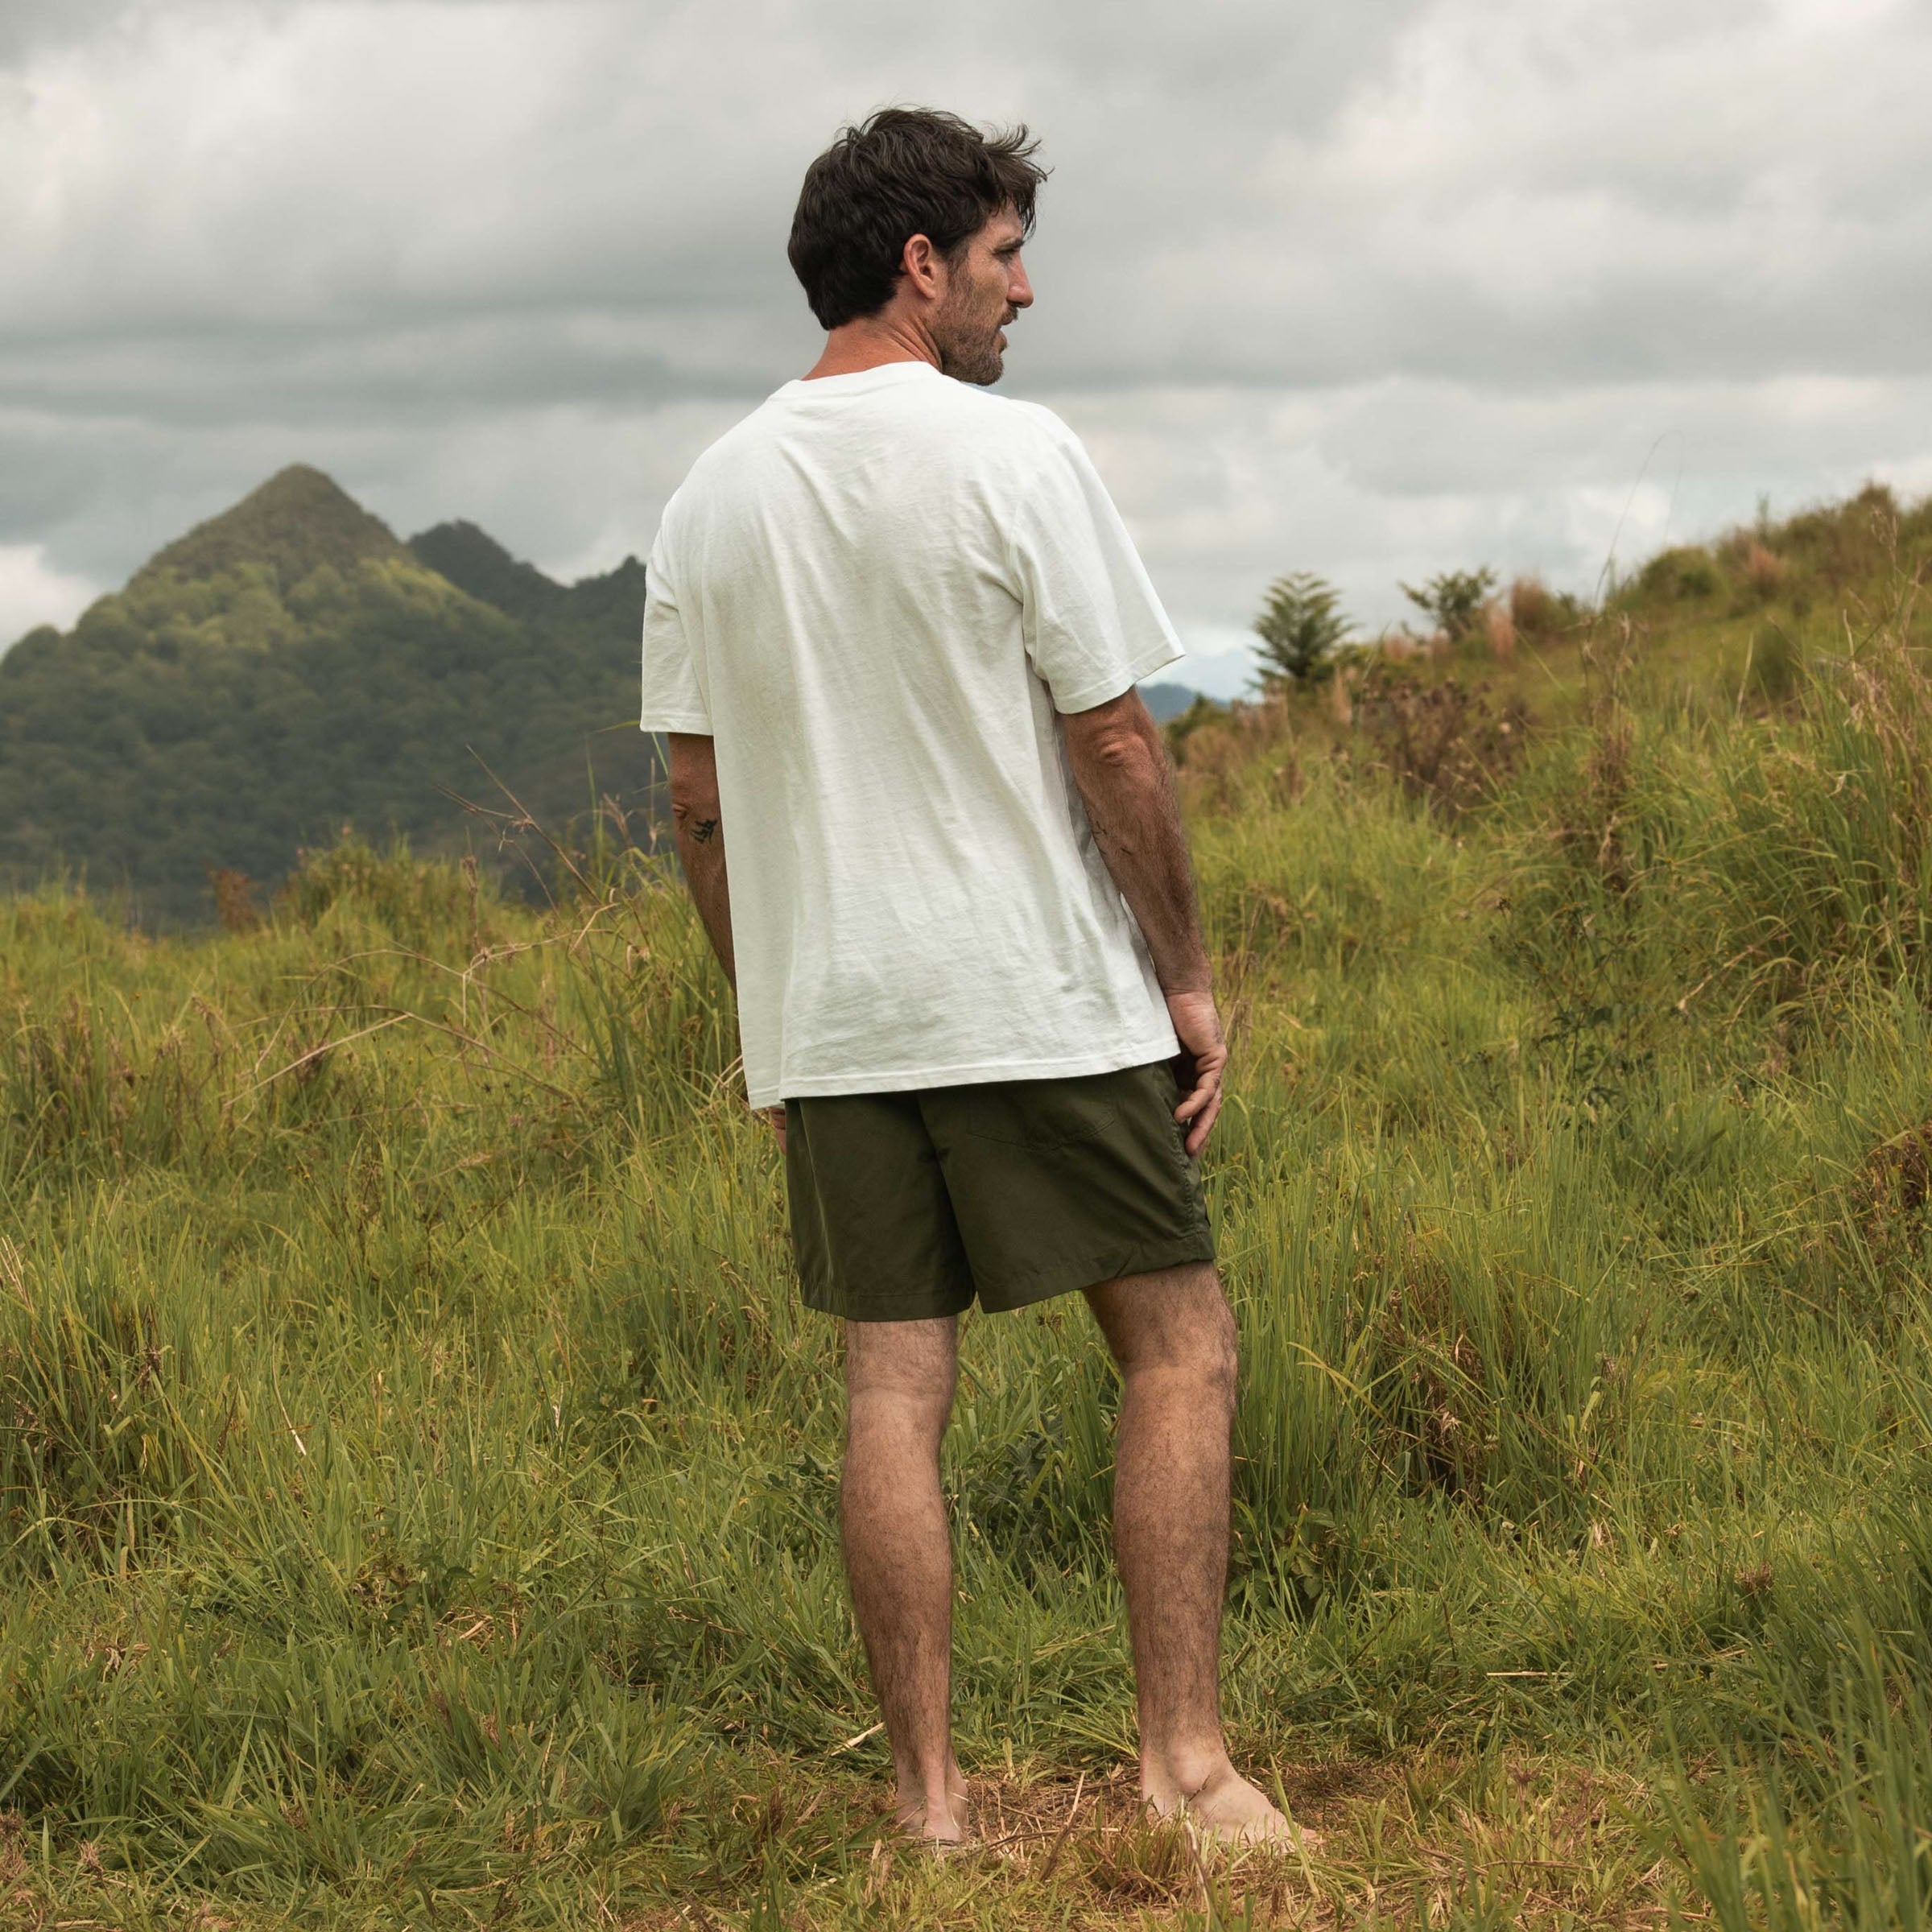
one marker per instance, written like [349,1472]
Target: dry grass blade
[1059,1842]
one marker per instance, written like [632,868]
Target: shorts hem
[888,1315]
[1145,1257]
[841,1309]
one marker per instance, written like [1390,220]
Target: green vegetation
[419,1477]
[290,668]
[1453,600]
[1301,628]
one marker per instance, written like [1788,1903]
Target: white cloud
[1373,291]
[31,594]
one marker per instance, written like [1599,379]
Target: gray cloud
[1370,290]
[29,26]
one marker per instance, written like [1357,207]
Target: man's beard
[969,349]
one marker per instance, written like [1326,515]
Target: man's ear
[923,268]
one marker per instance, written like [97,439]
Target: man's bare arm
[1120,764]
[697,827]
[697,824]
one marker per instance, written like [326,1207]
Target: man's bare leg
[899,1378]
[1173,1337]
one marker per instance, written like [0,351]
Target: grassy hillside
[1716,626]
[419,1475]
[289,668]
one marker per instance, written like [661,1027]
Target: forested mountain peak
[289,667]
[474,561]
[297,523]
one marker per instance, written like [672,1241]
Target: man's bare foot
[938,1817]
[1229,1810]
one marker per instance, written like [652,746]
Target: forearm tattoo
[704,830]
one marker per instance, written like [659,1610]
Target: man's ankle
[1172,1773]
[934,1810]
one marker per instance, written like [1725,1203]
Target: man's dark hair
[905,172]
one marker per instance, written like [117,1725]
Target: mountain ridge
[474,561]
[289,665]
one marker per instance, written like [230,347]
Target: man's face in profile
[986,288]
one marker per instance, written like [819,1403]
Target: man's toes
[1231,1810]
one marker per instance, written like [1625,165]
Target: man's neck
[872,340]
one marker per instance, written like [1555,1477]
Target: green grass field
[418,1479]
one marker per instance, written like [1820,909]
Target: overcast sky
[1372,290]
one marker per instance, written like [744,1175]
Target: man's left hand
[1198,1028]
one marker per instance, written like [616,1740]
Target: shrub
[1764,573]
[1219,748]
[1440,741]
[1774,667]
[1179,730]
[1398,646]
[1688,573]
[235,908]
[1499,626]
[1698,578]
[1537,611]
[1454,598]
[1532,607]
[1844,543]
[416,900]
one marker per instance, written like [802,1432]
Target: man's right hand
[1119,763]
[1203,1056]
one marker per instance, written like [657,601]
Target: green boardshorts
[906,1206]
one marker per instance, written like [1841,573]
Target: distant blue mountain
[1167,701]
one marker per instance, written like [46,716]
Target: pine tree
[1301,626]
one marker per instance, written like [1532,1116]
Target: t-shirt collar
[880,376]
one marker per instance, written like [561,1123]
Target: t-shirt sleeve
[1092,623]
[674,685]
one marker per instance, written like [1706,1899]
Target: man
[893,630]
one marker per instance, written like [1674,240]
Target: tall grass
[417,1475]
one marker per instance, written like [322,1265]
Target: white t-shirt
[874,594]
